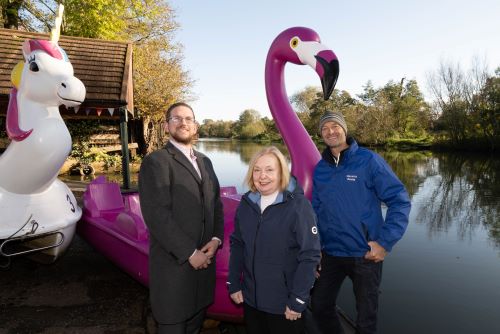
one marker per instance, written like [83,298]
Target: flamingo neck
[303,152]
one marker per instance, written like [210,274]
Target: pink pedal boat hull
[112,223]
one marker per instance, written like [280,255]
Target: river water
[444,275]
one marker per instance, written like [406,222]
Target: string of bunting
[98,111]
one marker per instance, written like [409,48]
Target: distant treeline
[464,113]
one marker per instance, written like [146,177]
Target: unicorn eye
[34,67]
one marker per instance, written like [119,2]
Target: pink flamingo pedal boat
[112,221]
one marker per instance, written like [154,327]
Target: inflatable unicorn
[38,211]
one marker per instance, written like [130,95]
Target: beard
[335,145]
[184,140]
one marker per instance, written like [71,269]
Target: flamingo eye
[34,67]
[294,42]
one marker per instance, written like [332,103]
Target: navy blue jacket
[347,198]
[274,254]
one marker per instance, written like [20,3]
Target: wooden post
[125,152]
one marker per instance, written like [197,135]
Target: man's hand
[199,260]
[292,315]
[376,253]
[317,273]
[211,248]
[237,297]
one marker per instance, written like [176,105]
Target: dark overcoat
[183,213]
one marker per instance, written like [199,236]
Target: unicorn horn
[56,31]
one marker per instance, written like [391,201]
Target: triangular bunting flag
[111,111]
[98,111]
[87,111]
[76,109]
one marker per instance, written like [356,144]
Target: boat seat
[228,190]
[105,200]
[133,204]
[132,226]
[135,228]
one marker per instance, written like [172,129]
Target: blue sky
[226,42]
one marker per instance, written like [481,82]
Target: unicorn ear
[15,75]
[26,49]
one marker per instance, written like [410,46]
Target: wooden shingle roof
[105,68]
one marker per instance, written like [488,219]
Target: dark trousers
[258,322]
[365,276]
[190,326]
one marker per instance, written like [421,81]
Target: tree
[158,82]
[217,129]
[84,18]
[410,113]
[303,100]
[249,124]
[310,105]
[10,13]
[159,79]
[455,92]
[487,114]
[271,132]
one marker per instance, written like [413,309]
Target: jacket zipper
[253,258]
[336,160]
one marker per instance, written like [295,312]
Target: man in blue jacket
[349,185]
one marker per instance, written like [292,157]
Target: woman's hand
[237,297]
[292,315]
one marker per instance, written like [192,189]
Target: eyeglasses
[178,120]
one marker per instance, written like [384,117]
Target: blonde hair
[283,167]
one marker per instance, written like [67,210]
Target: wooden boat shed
[105,68]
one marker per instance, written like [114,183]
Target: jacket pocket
[272,292]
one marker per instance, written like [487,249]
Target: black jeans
[365,276]
[190,326]
[259,322]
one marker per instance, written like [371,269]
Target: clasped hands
[201,258]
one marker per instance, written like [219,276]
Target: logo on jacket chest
[351,178]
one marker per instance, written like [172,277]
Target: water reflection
[245,149]
[463,190]
[411,167]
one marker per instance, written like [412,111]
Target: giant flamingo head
[301,46]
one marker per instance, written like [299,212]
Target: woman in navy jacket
[275,248]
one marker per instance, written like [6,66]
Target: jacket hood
[293,188]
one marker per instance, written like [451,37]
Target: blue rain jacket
[347,198]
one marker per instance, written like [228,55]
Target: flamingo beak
[328,69]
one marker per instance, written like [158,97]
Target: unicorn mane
[13,130]
[51,48]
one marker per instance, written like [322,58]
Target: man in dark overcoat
[180,202]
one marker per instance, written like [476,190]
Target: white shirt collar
[186,149]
